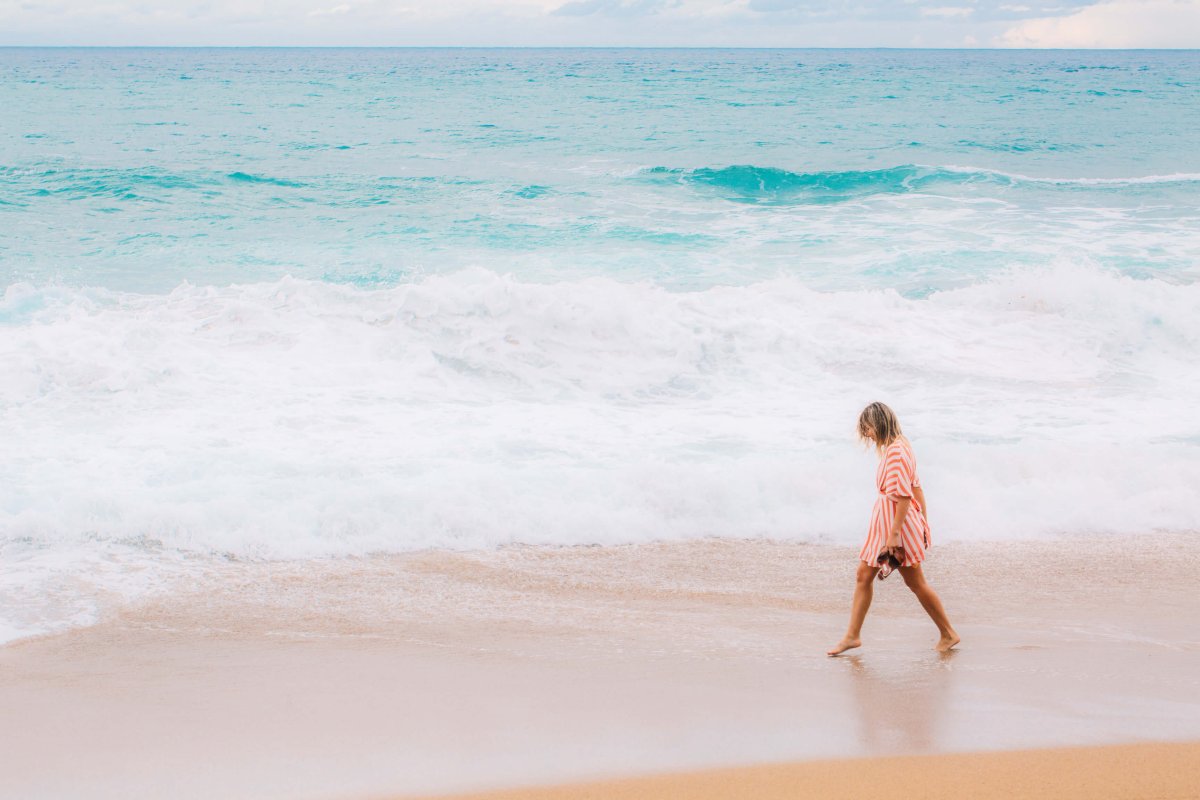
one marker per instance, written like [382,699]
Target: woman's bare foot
[946,642]
[848,644]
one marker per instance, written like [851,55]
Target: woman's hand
[893,541]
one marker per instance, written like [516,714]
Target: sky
[696,23]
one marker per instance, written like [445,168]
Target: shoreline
[455,672]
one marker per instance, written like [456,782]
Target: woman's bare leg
[864,589]
[914,578]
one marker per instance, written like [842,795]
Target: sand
[437,673]
[1128,772]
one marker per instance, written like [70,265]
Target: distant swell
[757,184]
[245,177]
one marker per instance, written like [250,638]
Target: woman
[899,533]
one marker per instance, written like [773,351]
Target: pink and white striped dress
[896,478]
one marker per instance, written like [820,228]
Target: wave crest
[771,185]
[298,417]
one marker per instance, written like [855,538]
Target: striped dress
[896,478]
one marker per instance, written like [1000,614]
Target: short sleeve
[898,471]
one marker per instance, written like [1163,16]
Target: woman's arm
[919,493]
[902,505]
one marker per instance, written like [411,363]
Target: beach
[1129,772]
[419,422]
[436,673]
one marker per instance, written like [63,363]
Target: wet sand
[438,672]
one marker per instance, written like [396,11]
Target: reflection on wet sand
[900,703]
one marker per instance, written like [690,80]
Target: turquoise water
[138,169]
[287,304]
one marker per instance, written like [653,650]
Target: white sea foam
[297,419]
[1173,177]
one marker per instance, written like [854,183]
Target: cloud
[1116,24]
[618,8]
[814,8]
[916,11]
[331,12]
[737,23]
[947,12]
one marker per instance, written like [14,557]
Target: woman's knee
[865,574]
[913,578]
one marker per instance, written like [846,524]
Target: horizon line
[574,47]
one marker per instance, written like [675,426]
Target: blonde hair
[878,424]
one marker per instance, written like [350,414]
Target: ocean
[287,304]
